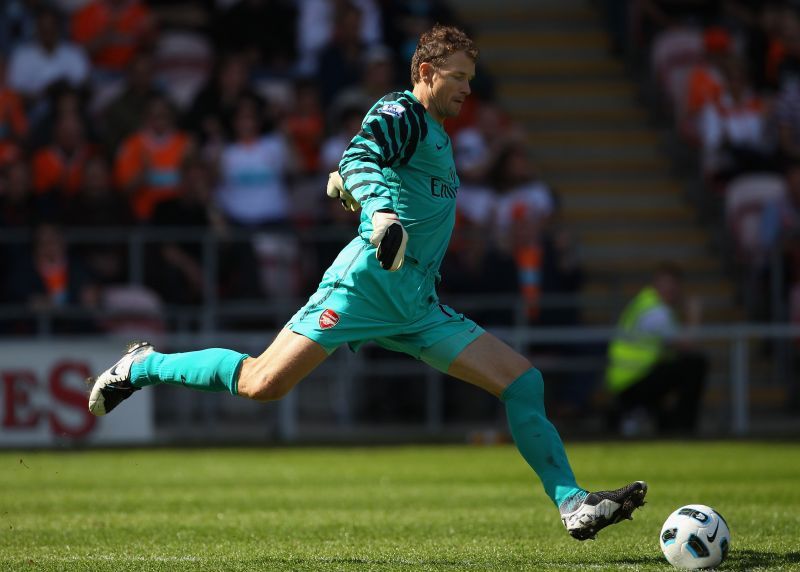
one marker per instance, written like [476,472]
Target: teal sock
[536,438]
[214,369]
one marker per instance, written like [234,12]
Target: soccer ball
[695,536]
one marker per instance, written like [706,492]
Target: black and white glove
[336,190]
[390,238]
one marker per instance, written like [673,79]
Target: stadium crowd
[728,77]
[225,117]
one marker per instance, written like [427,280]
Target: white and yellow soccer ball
[695,536]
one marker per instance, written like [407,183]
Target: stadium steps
[593,142]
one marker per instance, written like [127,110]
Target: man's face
[669,288]
[159,117]
[450,84]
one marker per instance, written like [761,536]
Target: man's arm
[388,137]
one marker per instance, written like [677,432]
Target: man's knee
[263,386]
[693,367]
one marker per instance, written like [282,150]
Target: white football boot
[585,517]
[113,386]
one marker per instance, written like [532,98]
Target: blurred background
[162,174]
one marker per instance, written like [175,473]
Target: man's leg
[270,376]
[489,363]
[684,380]
[287,360]
[693,373]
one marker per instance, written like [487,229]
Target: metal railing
[736,374]
[213,310]
[344,369]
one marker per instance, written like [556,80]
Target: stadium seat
[183,62]
[132,311]
[745,199]
[673,54]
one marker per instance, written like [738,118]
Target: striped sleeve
[388,138]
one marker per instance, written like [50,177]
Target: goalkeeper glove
[336,190]
[389,236]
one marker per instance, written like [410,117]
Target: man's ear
[426,71]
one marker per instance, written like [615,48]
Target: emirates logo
[328,319]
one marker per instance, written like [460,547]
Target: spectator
[476,150]
[305,125]
[13,122]
[112,31]
[17,23]
[411,18]
[48,277]
[522,194]
[705,82]
[477,147]
[652,372]
[787,119]
[98,205]
[377,80]
[211,112]
[562,274]
[253,189]
[763,24]
[263,31]
[734,130]
[58,168]
[475,267]
[148,164]
[18,211]
[653,17]
[38,64]
[341,60]
[348,124]
[782,64]
[177,271]
[523,209]
[315,28]
[126,112]
[780,223]
[18,206]
[60,99]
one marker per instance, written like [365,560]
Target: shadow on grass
[354,561]
[738,560]
[643,560]
[749,559]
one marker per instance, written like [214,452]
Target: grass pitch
[406,508]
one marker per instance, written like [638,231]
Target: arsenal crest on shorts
[328,319]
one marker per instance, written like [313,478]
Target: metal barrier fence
[731,410]
[212,311]
[208,315]
[329,408]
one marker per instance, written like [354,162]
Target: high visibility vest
[631,356]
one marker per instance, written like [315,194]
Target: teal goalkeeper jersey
[402,160]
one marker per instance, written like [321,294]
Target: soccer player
[399,171]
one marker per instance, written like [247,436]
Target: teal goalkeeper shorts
[357,301]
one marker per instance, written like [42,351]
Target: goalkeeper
[399,171]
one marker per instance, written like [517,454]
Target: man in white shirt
[253,190]
[37,65]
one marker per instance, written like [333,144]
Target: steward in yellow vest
[633,353]
[654,377]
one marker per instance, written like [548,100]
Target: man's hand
[336,190]
[389,236]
